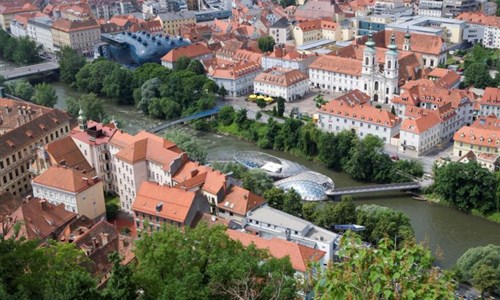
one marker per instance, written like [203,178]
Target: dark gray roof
[281,23]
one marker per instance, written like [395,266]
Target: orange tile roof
[281,76]
[489,137]
[234,71]
[65,152]
[317,24]
[15,8]
[421,124]
[66,179]
[491,96]
[490,122]
[362,112]
[190,51]
[240,201]
[299,255]
[337,64]
[176,202]
[478,18]
[71,26]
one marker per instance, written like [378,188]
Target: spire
[392,46]
[82,121]
[370,43]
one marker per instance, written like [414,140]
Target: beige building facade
[79,35]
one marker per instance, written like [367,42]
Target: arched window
[366,86]
[376,85]
[367,61]
[388,64]
[373,60]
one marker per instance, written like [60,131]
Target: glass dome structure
[273,166]
[310,185]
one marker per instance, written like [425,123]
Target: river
[448,232]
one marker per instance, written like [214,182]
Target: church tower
[391,69]
[82,121]
[406,43]
[368,66]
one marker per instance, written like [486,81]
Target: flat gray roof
[267,214]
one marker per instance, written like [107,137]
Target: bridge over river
[24,71]
[199,115]
[373,188]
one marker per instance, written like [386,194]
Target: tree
[261,103]
[121,284]
[24,90]
[466,186]
[222,92]
[191,145]
[286,3]
[26,51]
[204,263]
[481,267]
[70,63]
[226,115]
[258,116]
[211,87]
[45,95]
[149,71]
[150,89]
[275,111]
[309,211]
[119,85]
[91,105]
[477,74]
[195,66]
[340,213]
[281,106]
[365,157]
[328,150]
[266,43]
[319,100]
[170,108]
[292,203]
[257,181]
[182,63]
[241,118]
[381,222]
[275,197]
[382,273]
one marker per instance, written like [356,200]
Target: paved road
[29,70]
[427,160]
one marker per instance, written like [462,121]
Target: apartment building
[158,205]
[9,9]
[78,192]
[236,78]
[281,57]
[40,31]
[353,112]
[481,137]
[421,133]
[172,21]
[79,35]
[24,130]
[289,84]
[237,202]
[482,28]
[280,31]
[317,29]
[197,51]
[489,103]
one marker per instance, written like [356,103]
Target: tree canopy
[481,267]
[45,95]
[188,143]
[20,50]
[204,263]
[91,105]
[266,43]
[382,273]
[70,63]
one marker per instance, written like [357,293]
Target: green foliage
[203,263]
[196,67]
[112,207]
[150,89]
[20,50]
[238,171]
[24,90]
[257,181]
[275,197]
[280,103]
[182,63]
[70,63]
[149,71]
[381,222]
[466,187]
[481,267]
[188,143]
[261,103]
[51,272]
[309,211]
[266,43]
[382,273]
[477,64]
[119,85]
[292,203]
[226,115]
[343,212]
[240,118]
[121,284]
[319,100]
[477,75]
[258,116]
[92,106]
[45,95]
[222,92]
[367,161]
[286,3]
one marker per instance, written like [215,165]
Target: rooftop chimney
[43,204]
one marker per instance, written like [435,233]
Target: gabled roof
[421,124]
[300,255]
[71,26]
[65,179]
[65,152]
[166,202]
[281,76]
[190,51]
[337,64]
[491,96]
[240,201]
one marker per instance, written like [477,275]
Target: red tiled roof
[190,51]
[65,179]
[317,24]
[65,152]
[299,255]
[240,201]
[281,76]
[491,96]
[337,64]
[478,18]
[70,26]
[421,124]
[175,202]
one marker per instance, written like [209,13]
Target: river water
[448,232]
